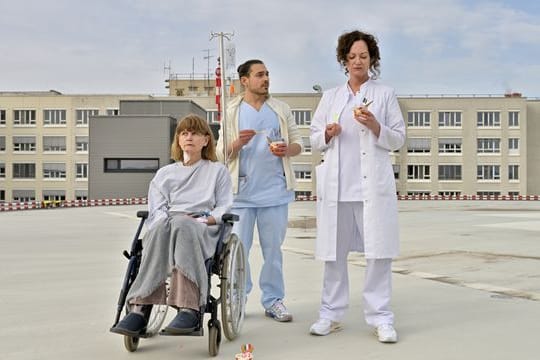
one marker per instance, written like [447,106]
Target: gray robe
[175,242]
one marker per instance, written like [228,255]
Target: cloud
[122,46]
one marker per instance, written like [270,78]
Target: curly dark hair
[346,41]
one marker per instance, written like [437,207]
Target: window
[54,170]
[24,117]
[24,143]
[513,172]
[54,143]
[2,170]
[488,193]
[419,145]
[306,142]
[513,146]
[2,143]
[449,172]
[2,195]
[82,116]
[418,172]
[81,170]
[418,119]
[130,165]
[488,119]
[396,168]
[54,195]
[54,117]
[302,117]
[513,193]
[2,117]
[488,146]
[113,112]
[302,171]
[449,119]
[449,146]
[513,118]
[302,194]
[450,193]
[24,171]
[488,172]
[81,194]
[419,192]
[212,116]
[81,143]
[24,195]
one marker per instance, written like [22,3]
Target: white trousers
[378,275]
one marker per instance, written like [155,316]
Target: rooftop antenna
[223,102]
[167,69]
[208,57]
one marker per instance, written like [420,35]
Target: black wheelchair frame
[228,263]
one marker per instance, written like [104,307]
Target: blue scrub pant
[272,224]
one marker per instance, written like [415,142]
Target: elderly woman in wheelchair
[186,202]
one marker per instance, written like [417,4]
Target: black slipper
[185,322]
[133,324]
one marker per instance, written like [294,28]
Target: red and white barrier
[15,206]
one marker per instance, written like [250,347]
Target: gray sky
[122,46]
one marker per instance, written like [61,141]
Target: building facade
[456,145]
[44,143]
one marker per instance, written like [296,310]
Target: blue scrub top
[261,177]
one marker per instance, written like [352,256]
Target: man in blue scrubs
[262,137]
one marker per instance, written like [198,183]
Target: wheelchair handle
[142,214]
[228,217]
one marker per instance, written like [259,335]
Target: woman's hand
[333,129]
[366,118]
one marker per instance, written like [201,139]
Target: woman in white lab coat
[357,125]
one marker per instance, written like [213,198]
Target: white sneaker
[386,333]
[324,327]
[278,312]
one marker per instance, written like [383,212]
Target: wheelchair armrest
[228,217]
[142,214]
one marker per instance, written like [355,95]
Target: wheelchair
[228,264]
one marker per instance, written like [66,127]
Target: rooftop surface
[466,286]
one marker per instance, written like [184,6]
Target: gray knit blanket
[175,242]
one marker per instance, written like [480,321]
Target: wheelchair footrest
[199,332]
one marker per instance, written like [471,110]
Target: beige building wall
[533,146]
[468,132]
[71,185]
[526,134]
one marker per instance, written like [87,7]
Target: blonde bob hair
[198,125]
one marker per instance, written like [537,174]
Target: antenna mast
[223,102]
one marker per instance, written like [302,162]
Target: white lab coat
[381,232]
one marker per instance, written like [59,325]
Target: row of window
[453,172]
[458,193]
[454,145]
[59,195]
[302,117]
[50,143]
[47,195]
[50,171]
[51,117]
[454,119]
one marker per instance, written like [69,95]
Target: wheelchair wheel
[156,319]
[131,343]
[214,337]
[233,288]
